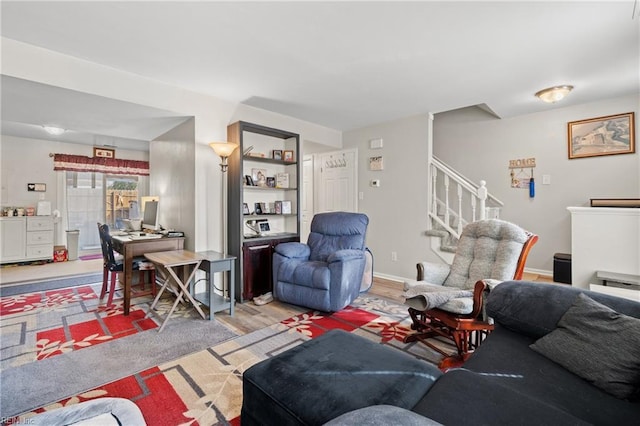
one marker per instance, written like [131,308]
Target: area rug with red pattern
[205,387]
[61,343]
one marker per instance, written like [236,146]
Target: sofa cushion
[598,344]
[505,358]
[462,397]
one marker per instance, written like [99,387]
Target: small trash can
[562,268]
[72,244]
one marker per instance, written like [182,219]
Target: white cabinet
[26,238]
[14,239]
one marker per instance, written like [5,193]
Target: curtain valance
[112,166]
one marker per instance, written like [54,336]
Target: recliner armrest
[293,250]
[345,255]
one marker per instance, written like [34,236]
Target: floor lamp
[224,150]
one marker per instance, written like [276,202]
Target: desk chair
[112,266]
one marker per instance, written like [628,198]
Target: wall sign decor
[613,134]
[521,178]
[37,187]
[375,163]
[104,152]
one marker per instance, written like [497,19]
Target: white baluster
[482,196]
[446,200]
[473,208]
[434,191]
[459,209]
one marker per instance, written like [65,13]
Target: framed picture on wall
[613,134]
[104,152]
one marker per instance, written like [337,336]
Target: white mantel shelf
[603,239]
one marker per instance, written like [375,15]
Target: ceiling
[344,65]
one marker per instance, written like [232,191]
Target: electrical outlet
[394,256]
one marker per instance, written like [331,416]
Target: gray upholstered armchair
[326,273]
[447,301]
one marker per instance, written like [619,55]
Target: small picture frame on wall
[288,155]
[375,163]
[609,135]
[104,152]
[277,154]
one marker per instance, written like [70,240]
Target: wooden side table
[217,262]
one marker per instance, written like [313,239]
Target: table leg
[232,289]
[127,274]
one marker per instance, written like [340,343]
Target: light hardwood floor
[248,317]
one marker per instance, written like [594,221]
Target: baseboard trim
[390,277]
[539,272]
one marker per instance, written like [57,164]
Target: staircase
[455,202]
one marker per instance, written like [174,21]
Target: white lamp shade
[223,149]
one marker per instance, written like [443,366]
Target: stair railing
[472,202]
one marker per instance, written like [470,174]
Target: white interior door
[306,200]
[338,181]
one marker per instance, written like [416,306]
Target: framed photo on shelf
[286,207]
[609,135]
[258,208]
[288,155]
[278,207]
[249,180]
[282,180]
[271,181]
[259,177]
[245,208]
[277,154]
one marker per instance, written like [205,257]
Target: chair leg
[112,289]
[105,278]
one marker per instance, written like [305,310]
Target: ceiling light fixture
[554,94]
[52,130]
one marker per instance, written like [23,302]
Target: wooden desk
[131,248]
[171,262]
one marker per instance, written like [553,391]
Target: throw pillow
[598,344]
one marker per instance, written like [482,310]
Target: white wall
[172,178]
[480,147]
[397,209]
[212,115]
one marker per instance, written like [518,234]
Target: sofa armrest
[345,255]
[293,250]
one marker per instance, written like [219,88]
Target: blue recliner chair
[326,273]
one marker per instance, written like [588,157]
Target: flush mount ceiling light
[554,94]
[52,130]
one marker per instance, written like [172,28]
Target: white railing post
[482,196]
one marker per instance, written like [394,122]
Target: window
[95,197]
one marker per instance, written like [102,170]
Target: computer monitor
[150,218]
